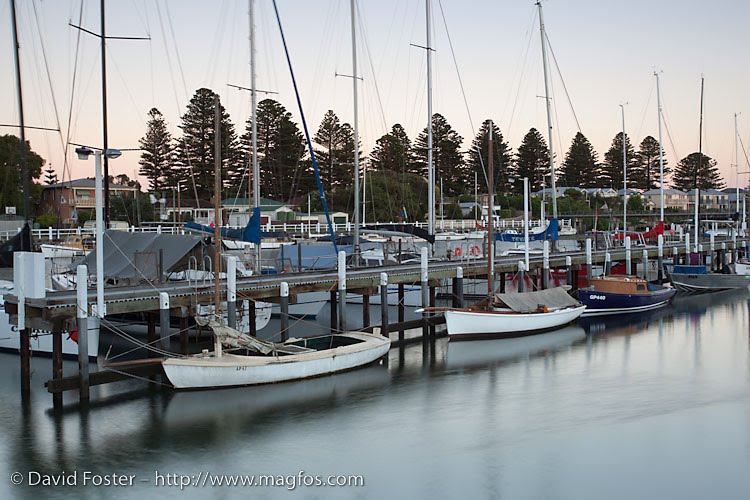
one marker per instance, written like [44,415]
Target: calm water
[647,406]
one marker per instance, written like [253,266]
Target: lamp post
[83,153]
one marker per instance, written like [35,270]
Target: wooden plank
[105,377]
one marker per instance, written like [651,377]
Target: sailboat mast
[549,110]
[624,177]
[698,171]
[661,152]
[22,124]
[356,130]
[430,166]
[490,217]
[104,113]
[254,109]
[217,202]
[736,164]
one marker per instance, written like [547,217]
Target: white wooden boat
[523,314]
[270,362]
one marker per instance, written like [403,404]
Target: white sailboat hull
[235,370]
[41,342]
[465,322]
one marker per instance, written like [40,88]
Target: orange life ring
[457,251]
[475,250]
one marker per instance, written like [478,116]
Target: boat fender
[73,335]
[542,308]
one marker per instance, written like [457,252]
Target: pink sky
[607,53]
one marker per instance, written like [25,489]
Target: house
[711,199]
[467,207]
[236,211]
[673,198]
[70,198]
[732,197]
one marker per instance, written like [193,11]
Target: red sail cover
[650,235]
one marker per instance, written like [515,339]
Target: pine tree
[648,160]
[196,147]
[697,171]
[157,156]
[502,158]
[611,173]
[281,151]
[393,151]
[11,194]
[335,157]
[532,160]
[50,177]
[580,165]
[447,157]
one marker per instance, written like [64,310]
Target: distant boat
[623,294]
[258,362]
[697,279]
[513,315]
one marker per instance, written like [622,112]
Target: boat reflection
[624,324]
[467,355]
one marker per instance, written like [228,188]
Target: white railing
[458,225]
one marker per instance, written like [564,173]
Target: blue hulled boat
[623,294]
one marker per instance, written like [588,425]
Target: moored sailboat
[623,294]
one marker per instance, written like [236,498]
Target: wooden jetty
[166,300]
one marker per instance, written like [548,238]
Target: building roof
[666,191]
[88,182]
[265,203]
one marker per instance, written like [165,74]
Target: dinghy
[250,361]
[513,314]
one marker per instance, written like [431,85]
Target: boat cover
[135,256]
[552,298]
[550,232]
[681,269]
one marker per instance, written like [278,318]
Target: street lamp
[83,153]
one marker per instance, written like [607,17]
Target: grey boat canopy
[526,302]
[135,256]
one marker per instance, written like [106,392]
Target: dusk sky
[607,53]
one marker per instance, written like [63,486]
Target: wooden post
[232,291]
[458,291]
[384,305]
[183,334]
[660,259]
[644,263]
[342,290]
[675,255]
[432,304]
[26,361]
[151,331]
[521,277]
[545,266]
[424,274]
[712,247]
[334,311]
[82,277]
[589,260]
[701,261]
[253,332]
[607,264]
[502,282]
[164,319]
[365,311]
[628,257]
[284,306]
[400,309]
[57,362]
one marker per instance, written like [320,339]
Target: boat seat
[292,349]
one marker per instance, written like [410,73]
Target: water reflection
[616,404]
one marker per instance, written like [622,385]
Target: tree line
[396,166]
